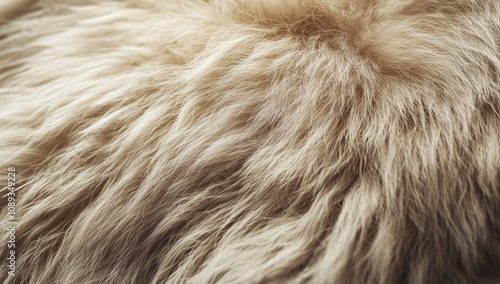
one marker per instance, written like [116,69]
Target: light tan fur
[252,141]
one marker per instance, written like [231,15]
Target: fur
[252,141]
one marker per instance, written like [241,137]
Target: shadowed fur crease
[251,141]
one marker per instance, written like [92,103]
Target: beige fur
[252,141]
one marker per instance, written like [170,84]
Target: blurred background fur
[252,141]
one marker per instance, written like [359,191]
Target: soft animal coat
[252,141]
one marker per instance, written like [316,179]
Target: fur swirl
[252,141]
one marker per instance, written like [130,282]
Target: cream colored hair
[252,141]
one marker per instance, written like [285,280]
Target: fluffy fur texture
[252,141]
